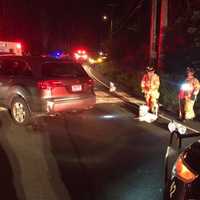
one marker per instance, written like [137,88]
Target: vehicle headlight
[92,61]
[99,60]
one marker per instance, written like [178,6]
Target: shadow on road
[162,124]
[31,162]
[106,159]
[68,157]
[7,181]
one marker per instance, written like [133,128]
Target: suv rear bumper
[51,106]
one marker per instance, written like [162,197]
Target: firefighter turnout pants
[152,101]
[189,109]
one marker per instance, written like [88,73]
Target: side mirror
[179,133]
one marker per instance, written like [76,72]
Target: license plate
[76,88]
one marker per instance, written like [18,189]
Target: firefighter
[150,87]
[187,95]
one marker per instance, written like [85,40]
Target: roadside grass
[130,78]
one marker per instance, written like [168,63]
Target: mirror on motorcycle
[174,126]
[178,133]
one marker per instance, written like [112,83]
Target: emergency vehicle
[11,48]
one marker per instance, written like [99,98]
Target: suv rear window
[53,69]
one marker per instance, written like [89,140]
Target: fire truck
[10,48]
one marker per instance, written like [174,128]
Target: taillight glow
[183,173]
[90,82]
[85,56]
[50,84]
[77,56]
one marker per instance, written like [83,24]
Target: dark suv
[182,167]
[36,85]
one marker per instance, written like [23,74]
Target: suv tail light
[183,172]
[49,84]
[46,87]
[90,82]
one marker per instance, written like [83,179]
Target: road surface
[101,154]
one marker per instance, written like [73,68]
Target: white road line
[160,115]
[189,128]
[90,73]
[3,109]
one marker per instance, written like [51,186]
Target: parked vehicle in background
[81,56]
[10,48]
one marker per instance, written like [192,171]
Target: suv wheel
[19,111]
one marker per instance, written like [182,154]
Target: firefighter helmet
[190,69]
[150,69]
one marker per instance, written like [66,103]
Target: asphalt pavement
[101,154]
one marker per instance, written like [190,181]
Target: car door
[23,81]
[6,78]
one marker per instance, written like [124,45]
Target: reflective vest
[150,84]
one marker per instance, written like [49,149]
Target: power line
[127,15]
[132,12]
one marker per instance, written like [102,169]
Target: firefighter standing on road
[187,95]
[150,87]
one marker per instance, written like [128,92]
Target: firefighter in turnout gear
[150,87]
[187,95]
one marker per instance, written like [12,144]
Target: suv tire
[20,111]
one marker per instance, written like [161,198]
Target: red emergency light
[81,51]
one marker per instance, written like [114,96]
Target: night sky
[59,24]
[65,24]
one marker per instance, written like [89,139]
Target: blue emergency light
[56,54]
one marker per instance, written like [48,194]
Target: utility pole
[113,7]
[153,33]
[162,34]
